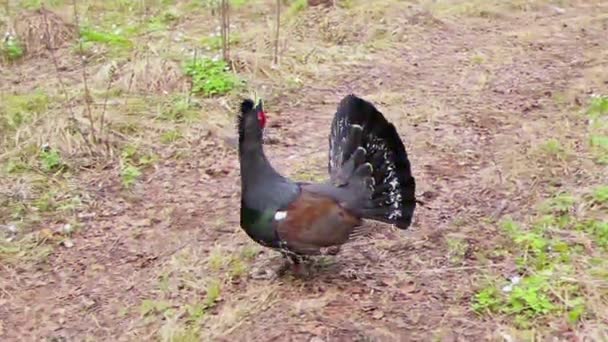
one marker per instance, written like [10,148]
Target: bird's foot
[333,250]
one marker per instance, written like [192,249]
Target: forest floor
[125,225]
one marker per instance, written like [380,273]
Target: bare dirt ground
[473,90]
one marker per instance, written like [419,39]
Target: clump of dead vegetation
[142,75]
[42,29]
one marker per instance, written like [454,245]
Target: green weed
[600,195]
[559,205]
[598,106]
[211,77]
[90,35]
[50,160]
[214,290]
[553,148]
[296,7]
[487,300]
[169,137]
[599,148]
[116,42]
[129,175]
[11,49]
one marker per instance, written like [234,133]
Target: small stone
[316,339]
[378,314]
[67,228]
[68,243]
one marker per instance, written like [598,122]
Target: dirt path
[467,99]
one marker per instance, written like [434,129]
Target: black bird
[369,178]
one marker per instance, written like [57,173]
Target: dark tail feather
[393,199]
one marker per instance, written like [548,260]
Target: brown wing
[314,221]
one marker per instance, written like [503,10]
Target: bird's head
[251,120]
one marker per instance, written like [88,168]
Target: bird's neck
[254,165]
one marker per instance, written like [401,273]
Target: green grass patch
[553,148]
[18,110]
[132,163]
[598,106]
[50,161]
[599,148]
[296,7]
[30,249]
[178,109]
[600,194]
[214,43]
[11,49]
[553,262]
[211,77]
[171,136]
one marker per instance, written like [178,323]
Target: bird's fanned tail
[361,135]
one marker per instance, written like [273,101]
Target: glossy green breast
[259,225]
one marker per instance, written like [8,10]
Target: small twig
[190,91]
[105,100]
[313,50]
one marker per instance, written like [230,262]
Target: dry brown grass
[144,75]
[43,29]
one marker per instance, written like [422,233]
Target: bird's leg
[300,266]
[287,262]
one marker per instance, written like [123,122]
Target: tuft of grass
[129,175]
[214,42]
[559,205]
[37,4]
[90,35]
[599,148]
[457,248]
[214,290]
[18,110]
[51,161]
[598,106]
[149,306]
[211,77]
[178,109]
[31,249]
[296,7]
[11,49]
[600,195]
[171,136]
[116,42]
[553,148]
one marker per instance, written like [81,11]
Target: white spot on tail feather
[280,215]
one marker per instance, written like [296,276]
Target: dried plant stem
[72,116]
[225,29]
[276,37]
[87,94]
[191,90]
[105,100]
